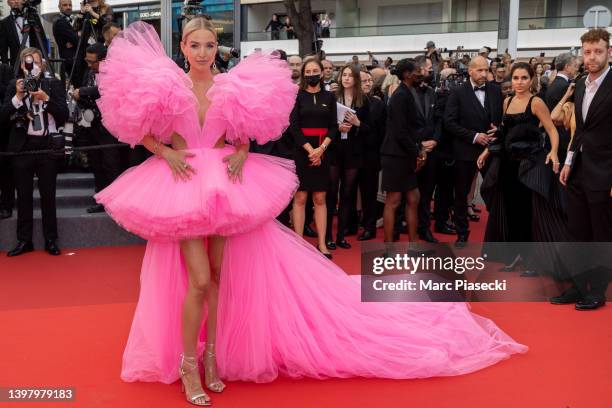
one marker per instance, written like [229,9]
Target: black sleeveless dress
[522,195]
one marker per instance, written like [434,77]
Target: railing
[531,23]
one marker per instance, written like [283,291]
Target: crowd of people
[375,144]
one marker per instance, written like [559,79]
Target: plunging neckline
[198,106]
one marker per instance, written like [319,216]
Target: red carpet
[65,322]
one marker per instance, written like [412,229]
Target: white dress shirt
[481,95]
[38,107]
[19,26]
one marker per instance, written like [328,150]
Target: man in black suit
[106,163]
[429,136]
[11,34]
[472,114]
[7,186]
[567,67]
[588,168]
[65,37]
[34,115]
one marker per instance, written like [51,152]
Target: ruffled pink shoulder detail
[251,102]
[142,90]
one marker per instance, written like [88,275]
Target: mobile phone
[542,54]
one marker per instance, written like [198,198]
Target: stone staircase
[76,228]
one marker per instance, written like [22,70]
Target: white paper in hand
[341,109]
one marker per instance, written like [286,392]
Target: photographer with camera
[65,37]
[106,163]
[35,107]
[7,186]
[15,26]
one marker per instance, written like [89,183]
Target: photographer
[11,30]
[95,15]
[36,107]
[106,163]
[65,37]
[7,186]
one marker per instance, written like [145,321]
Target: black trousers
[426,178]
[368,187]
[465,171]
[45,168]
[444,195]
[7,184]
[344,181]
[589,220]
[105,163]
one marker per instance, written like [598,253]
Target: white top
[38,108]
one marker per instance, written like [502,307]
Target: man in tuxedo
[7,186]
[473,112]
[329,83]
[428,134]
[587,172]
[11,33]
[65,37]
[567,67]
[34,116]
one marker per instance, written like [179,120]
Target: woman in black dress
[313,125]
[519,185]
[347,153]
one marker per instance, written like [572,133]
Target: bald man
[472,114]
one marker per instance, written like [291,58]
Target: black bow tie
[480,88]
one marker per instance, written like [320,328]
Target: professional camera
[31,82]
[233,52]
[192,8]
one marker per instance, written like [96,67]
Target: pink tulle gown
[284,309]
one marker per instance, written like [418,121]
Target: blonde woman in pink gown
[280,308]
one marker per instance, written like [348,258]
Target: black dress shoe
[343,244]
[52,248]
[461,241]
[590,303]
[366,236]
[309,232]
[569,296]
[427,236]
[21,248]
[445,229]
[475,209]
[98,208]
[330,245]
[327,255]
[474,217]
[5,214]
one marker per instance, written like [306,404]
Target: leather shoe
[445,229]
[327,255]
[366,236]
[5,214]
[569,296]
[52,248]
[474,217]
[98,208]
[427,236]
[21,248]
[590,303]
[461,241]
[309,232]
[330,245]
[343,244]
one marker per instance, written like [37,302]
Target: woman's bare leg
[412,209]
[299,212]
[392,201]
[215,250]
[320,216]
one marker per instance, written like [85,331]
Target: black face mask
[313,80]
[429,78]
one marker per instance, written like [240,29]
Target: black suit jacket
[464,116]
[65,34]
[554,94]
[401,139]
[429,128]
[56,107]
[373,139]
[6,74]
[9,40]
[592,143]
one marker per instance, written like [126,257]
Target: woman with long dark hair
[347,153]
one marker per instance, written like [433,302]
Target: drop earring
[186,65]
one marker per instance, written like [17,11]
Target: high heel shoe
[326,254]
[211,379]
[193,394]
